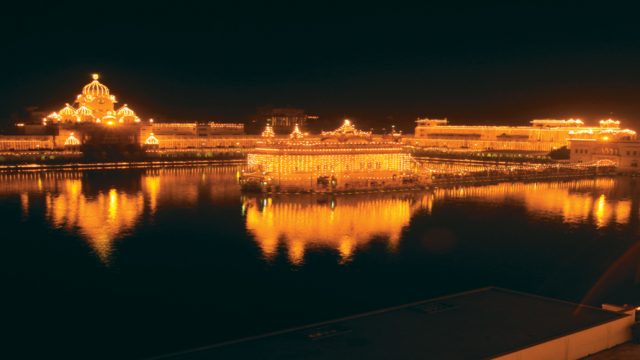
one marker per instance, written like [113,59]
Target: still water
[140,262]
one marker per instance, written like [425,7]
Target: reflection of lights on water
[103,218]
[346,248]
[600,214]
[298,226]
[303,223]
[573,201]
[326,224]
[100,219]
[296,252]
[24,204]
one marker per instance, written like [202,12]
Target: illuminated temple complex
[93,122]
[94,118]
[343,159]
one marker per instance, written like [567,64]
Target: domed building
[94,123]
[94,105]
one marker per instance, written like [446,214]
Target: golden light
[110,123]
[152,140]
[303,224]
[95,76]
[99,219]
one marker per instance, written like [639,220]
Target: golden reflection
[101,219]
[575,201]
[345,224]
[601,215]
[103,216]
[24,204]
[151,187]
[623,211]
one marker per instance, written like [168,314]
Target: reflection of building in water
[100,219]
[576,201]
[352,222]
[181,186]
[302,223]
[106,215]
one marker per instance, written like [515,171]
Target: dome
[84,111]
[54,116]
[67,111]
[95,88]
[125,111]
[71,141]
[152,140]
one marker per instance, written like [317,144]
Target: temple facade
[340,159]
[543,135]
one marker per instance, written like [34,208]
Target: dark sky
[489,63]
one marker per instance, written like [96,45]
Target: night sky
[502,64]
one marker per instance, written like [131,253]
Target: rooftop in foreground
[482,323]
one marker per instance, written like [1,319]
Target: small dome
[71,141]
[125,111]
[67,111]
[84,111]
[95,88]
[152,140]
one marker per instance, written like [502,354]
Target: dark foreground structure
[485,323]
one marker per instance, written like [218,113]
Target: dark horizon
[490,64]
